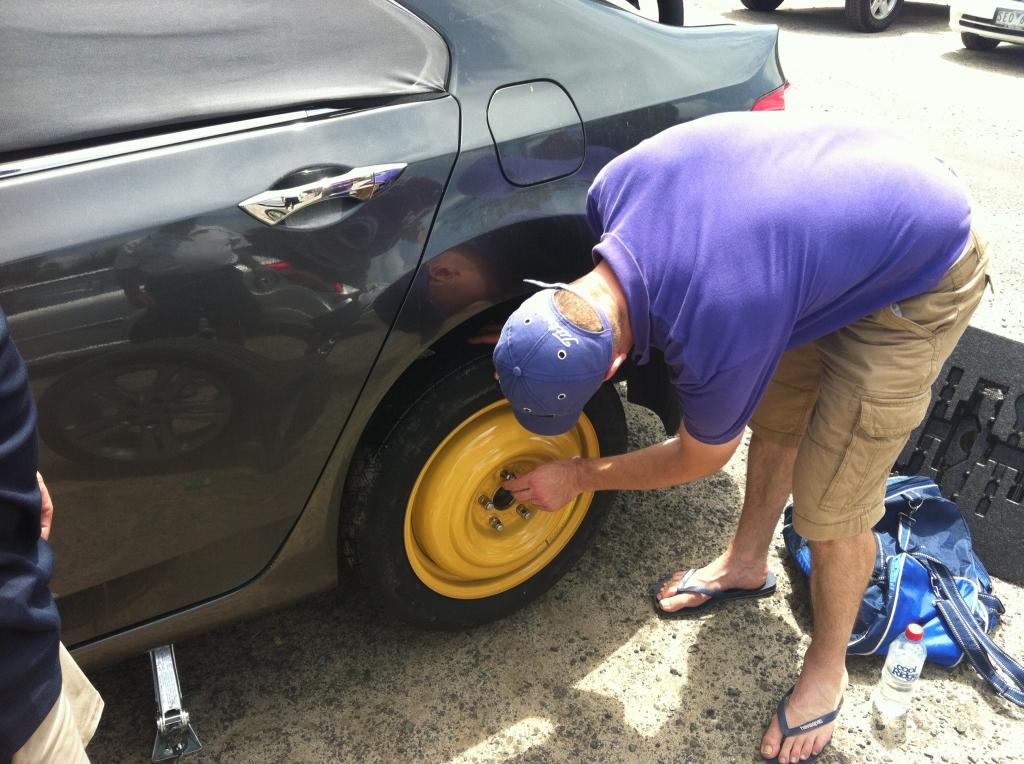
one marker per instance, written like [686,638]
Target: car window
[122,69]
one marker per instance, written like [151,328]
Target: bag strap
[986,657]
[912,501]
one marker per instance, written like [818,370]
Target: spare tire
[412,523]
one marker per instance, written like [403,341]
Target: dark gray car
[246,246]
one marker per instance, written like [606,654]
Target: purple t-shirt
[741,235]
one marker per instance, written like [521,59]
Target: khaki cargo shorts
[68,728]
[849,400]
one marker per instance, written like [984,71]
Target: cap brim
[547,425]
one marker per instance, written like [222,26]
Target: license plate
[1012,19]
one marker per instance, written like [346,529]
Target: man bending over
[805,277]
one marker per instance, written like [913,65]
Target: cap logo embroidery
[563,335]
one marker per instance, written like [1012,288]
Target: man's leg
[68,728]
[840,575]
[744,564]
[778,425]
[838,489]
[876,388]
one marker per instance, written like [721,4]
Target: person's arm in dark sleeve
[30,677]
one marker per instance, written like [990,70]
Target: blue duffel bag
[926,572]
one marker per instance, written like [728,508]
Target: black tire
[861,18]
[761,6]
[671,12]
[415,418]
[973,41]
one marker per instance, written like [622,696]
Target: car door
[200,272]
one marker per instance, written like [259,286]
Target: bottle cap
[914,632]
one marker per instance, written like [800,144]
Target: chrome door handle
[361,184]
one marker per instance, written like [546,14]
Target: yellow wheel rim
[449,539]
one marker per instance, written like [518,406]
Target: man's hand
[46,510]
[550,486]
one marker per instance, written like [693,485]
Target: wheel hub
[881,9]
[453,540]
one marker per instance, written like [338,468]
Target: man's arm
[678,460]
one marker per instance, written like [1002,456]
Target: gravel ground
[588,673]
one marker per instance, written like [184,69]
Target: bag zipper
[907,485]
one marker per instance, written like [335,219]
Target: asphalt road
[588,673]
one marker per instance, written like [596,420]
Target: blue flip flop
[715,595]
[802,729]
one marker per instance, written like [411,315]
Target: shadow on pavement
[1006,59]
[831,20]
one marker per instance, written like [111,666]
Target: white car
[983,24]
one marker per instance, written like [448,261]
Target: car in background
[666,11]
[245,254]
[983,24]
[861,15]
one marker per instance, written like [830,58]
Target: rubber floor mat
[972,445]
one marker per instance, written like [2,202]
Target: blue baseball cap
[548,367]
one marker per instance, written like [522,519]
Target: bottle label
[903,673]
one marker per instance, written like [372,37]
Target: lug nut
[524,512]
[485,502]
[508,475]
[497,524]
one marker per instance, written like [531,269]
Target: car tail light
[774,100]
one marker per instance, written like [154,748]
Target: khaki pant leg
[71,723]
[782,415]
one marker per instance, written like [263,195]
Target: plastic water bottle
[900,673]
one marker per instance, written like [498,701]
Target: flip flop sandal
[802,729]
[715,596]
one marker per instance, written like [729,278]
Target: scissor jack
[174,734]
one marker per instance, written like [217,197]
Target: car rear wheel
[973,41]
[872,15]
[761,6]
[414,526]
